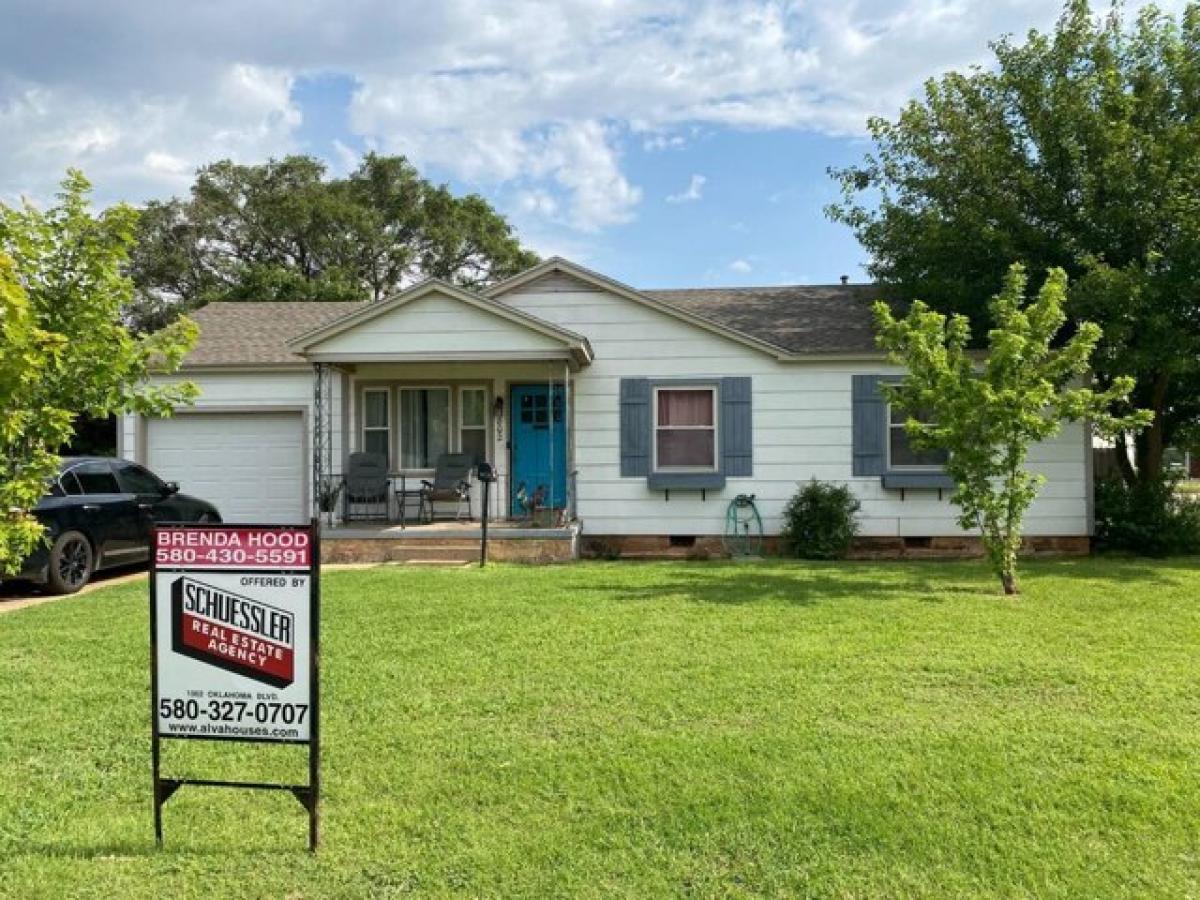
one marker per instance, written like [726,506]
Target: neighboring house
[643,413]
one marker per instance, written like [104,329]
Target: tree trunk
[1124,466]
[1009,581]
[1151,443]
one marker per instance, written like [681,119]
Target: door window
[139,481]
[96,478]
[70,484]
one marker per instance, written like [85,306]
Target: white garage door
[249,465]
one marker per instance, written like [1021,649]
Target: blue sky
[754,216]
[663,142]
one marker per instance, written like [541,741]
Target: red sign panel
[223,547]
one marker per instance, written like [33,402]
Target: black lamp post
[486,475]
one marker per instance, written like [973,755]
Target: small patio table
[405,495]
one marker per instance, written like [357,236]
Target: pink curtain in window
[685,408]
[685,437]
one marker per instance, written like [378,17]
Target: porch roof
[435,321]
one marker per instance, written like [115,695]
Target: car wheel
[71,562]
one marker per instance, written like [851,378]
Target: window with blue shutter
[870,430]
[691,448]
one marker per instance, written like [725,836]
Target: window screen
[685,433]
[472,436]
[901,453]
[376,423]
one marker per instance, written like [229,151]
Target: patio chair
[451,482]
[366,493]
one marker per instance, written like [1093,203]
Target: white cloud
[741,266]
[655,142]
[140,145]
[540,202]
[533,96]
[691,193]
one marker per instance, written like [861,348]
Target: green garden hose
[743,527]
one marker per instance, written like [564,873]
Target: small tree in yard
[64,349]
[987,414]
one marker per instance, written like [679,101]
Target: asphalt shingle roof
[798,318]
[257,333]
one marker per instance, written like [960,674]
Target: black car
[98,513]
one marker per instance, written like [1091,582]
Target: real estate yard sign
[234,615]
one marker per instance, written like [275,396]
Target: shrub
[820,521]
[1148,518]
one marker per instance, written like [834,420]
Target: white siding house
[559,377]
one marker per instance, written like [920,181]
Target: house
[641,414]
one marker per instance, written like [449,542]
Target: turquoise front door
[539,446]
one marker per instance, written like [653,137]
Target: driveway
[16,595]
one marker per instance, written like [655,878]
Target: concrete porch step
[427,552]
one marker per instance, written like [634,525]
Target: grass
[852,730]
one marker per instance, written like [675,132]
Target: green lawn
[646,730]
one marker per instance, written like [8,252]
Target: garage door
[250,465]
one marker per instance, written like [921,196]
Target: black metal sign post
[237,593]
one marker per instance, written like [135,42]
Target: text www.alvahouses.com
[217,729]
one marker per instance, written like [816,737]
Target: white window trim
[887,446]
[462,426]
[400,423]
[463,389]
[715,428]
[387,429]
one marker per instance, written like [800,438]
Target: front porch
[431,387]
[448,542]
[516,417]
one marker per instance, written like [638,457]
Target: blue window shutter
[635,427]
[737,427]
[868,416]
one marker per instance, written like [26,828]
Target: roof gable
[563,268]
[437,317]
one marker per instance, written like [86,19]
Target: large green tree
[65,351]
[284,231]
[1078,149]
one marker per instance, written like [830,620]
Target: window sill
[933,481]
[683,481]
